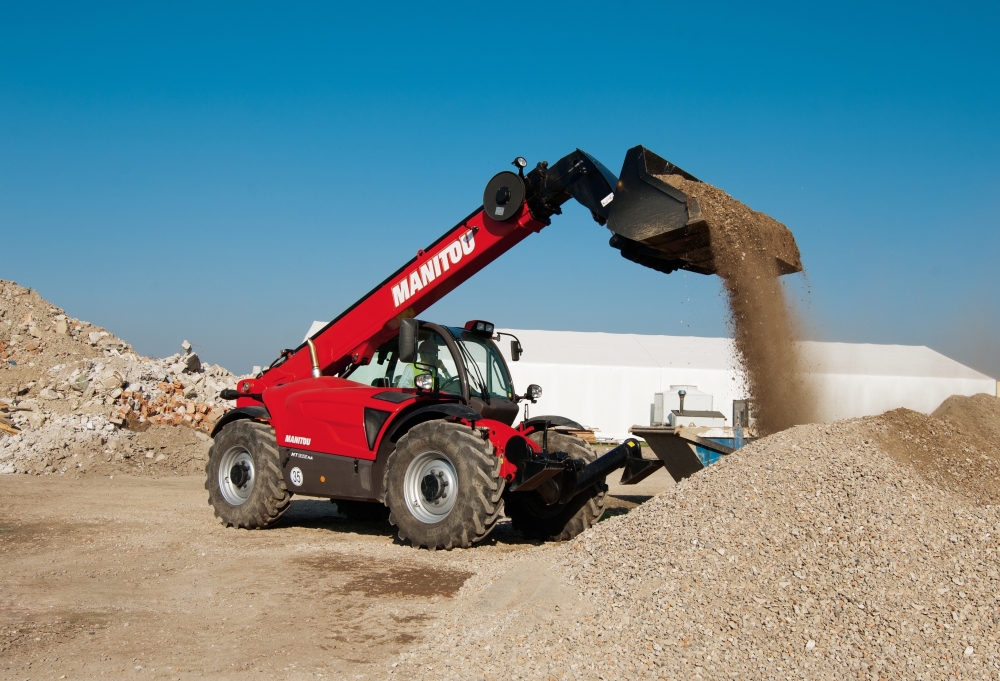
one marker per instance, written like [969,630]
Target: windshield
[487,372]
[386,370]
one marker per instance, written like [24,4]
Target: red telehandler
[380,410]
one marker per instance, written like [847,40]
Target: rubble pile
[63,378]
[76,445]
[807,554]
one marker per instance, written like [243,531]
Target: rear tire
[559,522]
[443,486]
[243,476]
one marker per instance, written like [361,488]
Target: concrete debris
[77,445]
[192,364]
[54,367]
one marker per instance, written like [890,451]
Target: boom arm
[514,207]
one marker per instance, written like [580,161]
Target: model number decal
[433,267]
[300,455]
[297,440]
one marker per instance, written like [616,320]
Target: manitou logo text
[433,267]
[296,440]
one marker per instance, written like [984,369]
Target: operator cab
[463,362]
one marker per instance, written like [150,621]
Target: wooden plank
[585,435]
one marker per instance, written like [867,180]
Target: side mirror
[408,340]
[515,350]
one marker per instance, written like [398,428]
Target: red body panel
[326,415]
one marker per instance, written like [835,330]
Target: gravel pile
[63,381]
[809,554]
[957,447]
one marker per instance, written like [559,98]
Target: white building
[607,381]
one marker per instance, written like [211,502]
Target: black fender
[538,422]
[255,413]
[406,420]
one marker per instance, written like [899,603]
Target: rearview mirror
[408,340]
[515,350]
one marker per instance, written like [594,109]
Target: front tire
[443,486]
[559,522]
[243,476]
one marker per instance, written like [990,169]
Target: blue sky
[227,173]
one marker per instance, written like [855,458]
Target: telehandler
[380,411]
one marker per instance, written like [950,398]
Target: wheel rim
[430,487]
[236,475]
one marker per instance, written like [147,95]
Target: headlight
[534,391]
[424,382]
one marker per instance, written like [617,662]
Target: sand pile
[751,250]
[956,448]
[808,554]
[63,380]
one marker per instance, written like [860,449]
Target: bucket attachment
[685,451]
[657,225]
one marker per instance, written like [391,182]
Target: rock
[48,394]
[111,381]
[186,347]
[192,363]
[61,327]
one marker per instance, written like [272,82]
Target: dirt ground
[128,576]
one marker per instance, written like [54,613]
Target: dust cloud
[751,251]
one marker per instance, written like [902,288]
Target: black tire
[252,445]
[530,515]
[475,473]
[362,511]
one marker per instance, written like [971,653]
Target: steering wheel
[454,381]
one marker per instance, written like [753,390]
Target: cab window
[480,354]
[433,355]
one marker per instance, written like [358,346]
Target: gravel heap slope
[808,554]
[956,448]
[70,386]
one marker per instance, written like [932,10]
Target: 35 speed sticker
[295,475]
